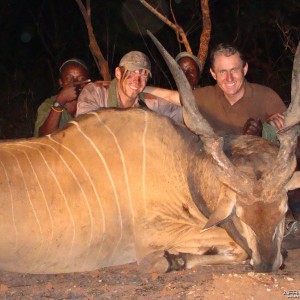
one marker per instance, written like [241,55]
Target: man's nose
[229,76]
[136,78]
[76,79]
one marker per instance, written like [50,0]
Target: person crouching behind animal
[57,110]
[191,67]
[126,90]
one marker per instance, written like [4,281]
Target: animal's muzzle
[266,267]
[263,268]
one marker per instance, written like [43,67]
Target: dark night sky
[37,35]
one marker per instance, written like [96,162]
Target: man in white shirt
[126,90]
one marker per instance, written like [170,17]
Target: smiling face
[130,84]
[229,72]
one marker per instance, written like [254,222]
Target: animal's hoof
[284,253]
[282,266]
[176,262]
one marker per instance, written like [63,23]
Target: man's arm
[51,115]
[169,95]
[92,97]
[51,122]
[275,109]
[163,107]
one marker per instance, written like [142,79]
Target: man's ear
[60,82]
[118,74]
[245,69]
[213,74]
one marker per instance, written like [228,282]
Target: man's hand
[70,92]
[253,127]
[66,94]
[276,120]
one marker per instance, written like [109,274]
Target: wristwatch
[57,105]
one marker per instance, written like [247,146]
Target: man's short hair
[227,50]
[136,60]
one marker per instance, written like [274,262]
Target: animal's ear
[294,182]
[225,208]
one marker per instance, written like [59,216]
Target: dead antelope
[119,186]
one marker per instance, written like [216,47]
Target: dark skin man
[74,76]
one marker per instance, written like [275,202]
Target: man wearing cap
[191,67]
[126,90]
[57,110]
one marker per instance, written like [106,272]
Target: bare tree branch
[205,35]
[180,33]
[177,28]
[179,40]
[97,54]
[287,35]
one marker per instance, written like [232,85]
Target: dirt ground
[126,282]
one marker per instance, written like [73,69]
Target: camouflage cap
[136,60]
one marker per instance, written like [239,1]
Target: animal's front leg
[212,257]
[192,260]
[162,262]
[209,248]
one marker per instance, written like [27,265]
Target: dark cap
[135,60]
[73,61]
[187,54]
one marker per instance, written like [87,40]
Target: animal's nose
[263,268]
[266,267]
[282,267]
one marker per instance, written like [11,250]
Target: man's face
[73,74]
[131,83]
[229,73]
[191,70]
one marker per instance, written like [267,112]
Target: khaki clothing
[43,113]
[95,96]
[258,102]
